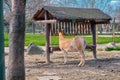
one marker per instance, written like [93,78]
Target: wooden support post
[48,43]
[93,29]
[96,33]
[48,27]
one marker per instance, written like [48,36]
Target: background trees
[108,6]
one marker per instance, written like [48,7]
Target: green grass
[110,49]
[6,39]
[103,40]
[40,39]
[36,39]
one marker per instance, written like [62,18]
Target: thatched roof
[74,14]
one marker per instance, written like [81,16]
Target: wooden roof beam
[45,22]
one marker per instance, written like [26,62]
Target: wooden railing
[71,28]
[56,48]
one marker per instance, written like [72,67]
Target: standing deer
[77,44]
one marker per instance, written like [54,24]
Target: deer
[72,44]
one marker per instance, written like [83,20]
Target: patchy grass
[110,49]
[6,39]
[100,49]
[39,39]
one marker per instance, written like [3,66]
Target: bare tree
[7,5]
[7,10]
[16,70]
[33,5]
[103,5]
[64,3]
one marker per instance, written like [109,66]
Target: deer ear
[62,30]
[58,31]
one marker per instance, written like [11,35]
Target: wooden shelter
[67,17]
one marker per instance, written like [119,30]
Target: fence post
[113,36]
[2,62]
[33,28]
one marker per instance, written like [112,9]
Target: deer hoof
[65,62]
[81,64]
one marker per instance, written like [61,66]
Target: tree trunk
[16,70]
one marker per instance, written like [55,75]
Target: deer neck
[61,37]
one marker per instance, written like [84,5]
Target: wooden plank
[64,27]
[76,26]
[67,28]
[58,27]
[56,48]
[52,29]
[88,28]
[45,22]
[73,28]
[83,29]
[55,27]
[80,28]
[70,28]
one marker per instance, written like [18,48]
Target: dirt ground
[106,67]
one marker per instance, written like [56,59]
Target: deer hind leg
[65,56]
[82,59]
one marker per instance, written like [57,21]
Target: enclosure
[80,18]
[74,21]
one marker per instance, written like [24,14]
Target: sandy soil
[107,67]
